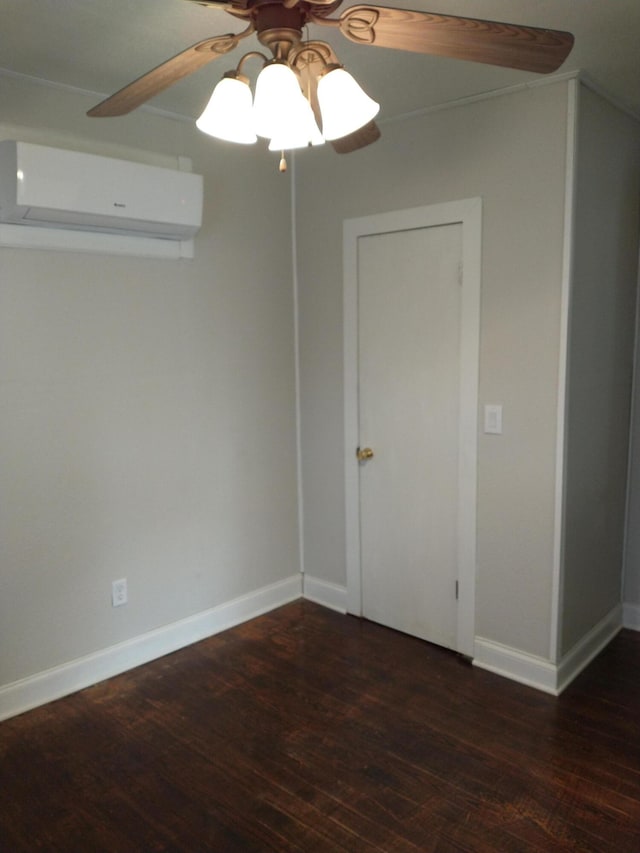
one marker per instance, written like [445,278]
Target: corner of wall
[544,674]
[557,601]
[331,595]
[43,687]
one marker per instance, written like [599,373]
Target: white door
[411,357]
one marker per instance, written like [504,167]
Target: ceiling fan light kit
[281,112]
[303,95]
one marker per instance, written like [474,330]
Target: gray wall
[147,425]
[510,150]
[602,312]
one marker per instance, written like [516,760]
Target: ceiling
[100,45]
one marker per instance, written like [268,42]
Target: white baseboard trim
[631,616]
[539,672]
[328,594]
[77,674]
[586,649]
[519,666]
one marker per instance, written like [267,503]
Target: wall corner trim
[541,673]
[43,687]
[328,594]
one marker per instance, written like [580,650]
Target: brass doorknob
[364,453]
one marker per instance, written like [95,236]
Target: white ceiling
[100,45]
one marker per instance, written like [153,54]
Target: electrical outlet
[119,592]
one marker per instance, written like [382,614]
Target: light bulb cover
[276,105]
[229,113]
[344,105]
[301,133]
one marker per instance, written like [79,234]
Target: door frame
[468,214]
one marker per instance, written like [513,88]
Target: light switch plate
[493,419]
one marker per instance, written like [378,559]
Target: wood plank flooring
[305,730]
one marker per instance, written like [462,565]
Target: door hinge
[457,591]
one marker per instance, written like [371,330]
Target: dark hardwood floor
[305,730]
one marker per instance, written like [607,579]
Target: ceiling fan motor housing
[278,28]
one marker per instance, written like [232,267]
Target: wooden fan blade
[166,74]
[508,45]
[214,4]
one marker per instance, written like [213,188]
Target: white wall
[147,407]
[511,151]
[602,312]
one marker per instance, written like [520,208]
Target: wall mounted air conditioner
[55,188]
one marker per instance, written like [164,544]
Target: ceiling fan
[279,25]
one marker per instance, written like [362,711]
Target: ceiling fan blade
[508,45]
[215,4]
[166,74]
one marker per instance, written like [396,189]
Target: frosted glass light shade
[301,133]
[344,105]
[276,105]
[229,113]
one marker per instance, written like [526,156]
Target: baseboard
[77,674]
[519,666]
[586,649]
[541,673]
[326,593]
[631,616]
